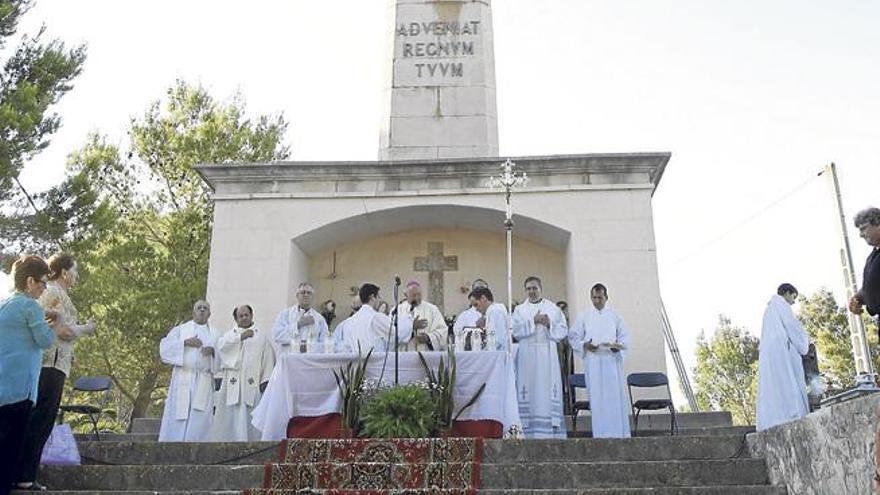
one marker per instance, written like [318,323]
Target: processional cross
[508,180]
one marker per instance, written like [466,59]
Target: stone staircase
[712,462]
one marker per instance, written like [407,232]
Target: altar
[303,390]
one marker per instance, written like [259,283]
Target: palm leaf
[471,402]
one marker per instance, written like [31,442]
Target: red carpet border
[447,466]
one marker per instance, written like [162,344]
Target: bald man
[189,348]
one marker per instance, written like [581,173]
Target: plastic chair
[576,381]
[650,380]
[90,385]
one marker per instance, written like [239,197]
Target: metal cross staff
[508,180]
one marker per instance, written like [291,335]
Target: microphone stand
[394,322]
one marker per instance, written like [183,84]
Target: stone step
[146,425]
[513,476]
[130,453]
[690,490]
[153,478]
[690,432]
[661,421]
[647,422]
[625,474]
[117,437]
[683,490]
[131,492]
[495,451]
[661,448]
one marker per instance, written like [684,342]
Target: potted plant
[406,411]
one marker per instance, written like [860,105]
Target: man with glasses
[868,223]
[296,326]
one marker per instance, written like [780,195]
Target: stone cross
[435,264]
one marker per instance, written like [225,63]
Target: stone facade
[831,451]
[440,88]
[582,219]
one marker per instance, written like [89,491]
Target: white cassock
[189,405]
[606,382]
[369,329]
[497,320]
[782,388]
[538,377]
[287,334]
[437,331]
[338,336]
[245,364]
[466,319]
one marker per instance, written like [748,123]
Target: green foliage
[398,412]
[35,75]
[139,221]
[726,376]
[828,327]
[350,381]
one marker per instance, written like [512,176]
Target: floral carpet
[447,466]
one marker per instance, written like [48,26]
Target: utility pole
[864,366]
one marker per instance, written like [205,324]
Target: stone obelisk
[440,88]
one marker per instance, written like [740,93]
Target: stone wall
[828,452]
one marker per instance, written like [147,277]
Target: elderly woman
[57,361]
[25,335]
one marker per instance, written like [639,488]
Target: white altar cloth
[303,385]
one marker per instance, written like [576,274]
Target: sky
[752,98]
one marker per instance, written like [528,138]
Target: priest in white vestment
[299,324]
[246,361]
[782,388]
[468,318]
[189,406]
[429,326]
[370,329]
[538,324]
[494,319]
[600,338]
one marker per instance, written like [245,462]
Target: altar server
[600,338]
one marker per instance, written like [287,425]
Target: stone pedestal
[440,88]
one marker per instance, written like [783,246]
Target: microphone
[397,280]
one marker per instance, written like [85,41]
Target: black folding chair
[649,380]
[90,385]
[576,381]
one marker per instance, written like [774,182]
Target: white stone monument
[440,89]
[425,212]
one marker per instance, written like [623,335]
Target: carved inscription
[426,43]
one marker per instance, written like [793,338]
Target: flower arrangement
[417,410]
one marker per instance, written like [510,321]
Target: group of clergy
[218,376]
